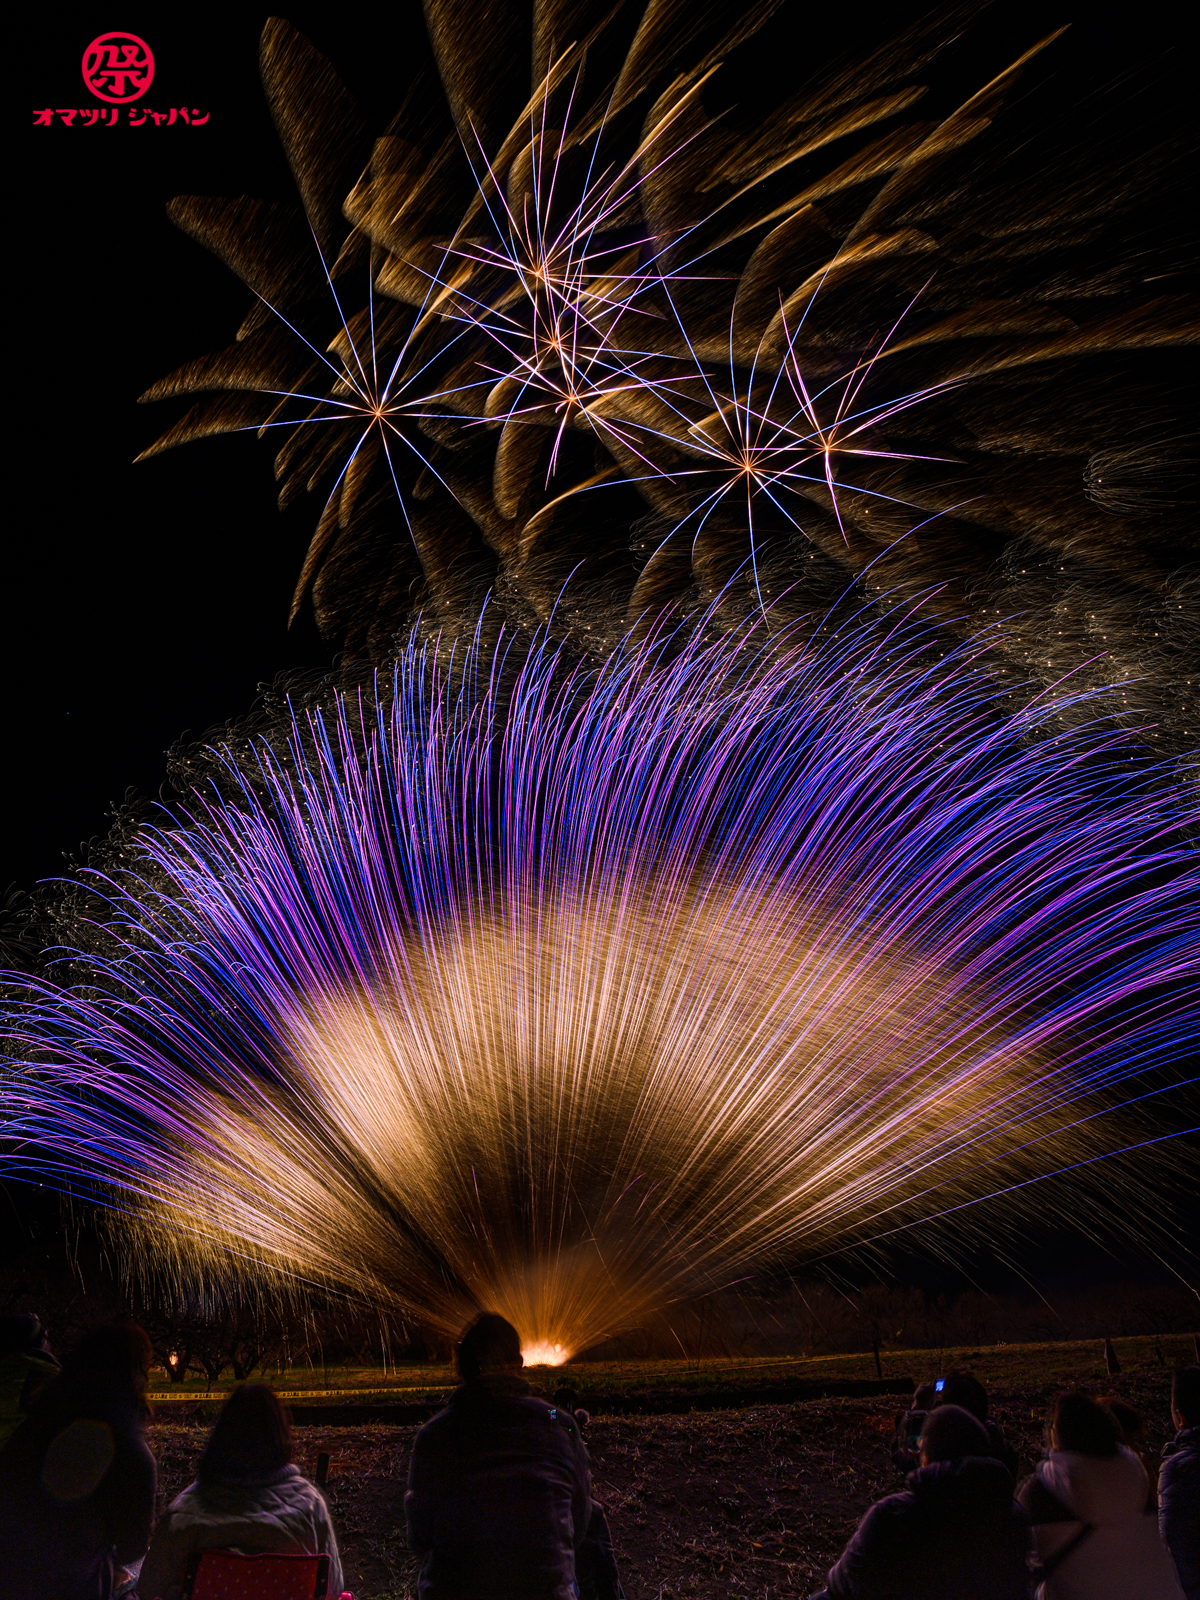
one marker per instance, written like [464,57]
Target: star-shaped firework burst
[620,315]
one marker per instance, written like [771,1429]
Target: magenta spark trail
[569,993]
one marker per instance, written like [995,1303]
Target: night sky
[150,602]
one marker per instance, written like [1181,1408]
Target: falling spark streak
[569,994]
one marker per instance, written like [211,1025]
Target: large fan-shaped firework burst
[569,995]
[658,320]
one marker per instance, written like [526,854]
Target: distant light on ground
[543,1354]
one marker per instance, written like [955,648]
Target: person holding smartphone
[953,1533]
[907,1437]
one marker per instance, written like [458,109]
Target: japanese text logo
[118,67]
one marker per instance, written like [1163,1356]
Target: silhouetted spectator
[77,1478]
[247,1496]
[1087,1502]
[955,1532]
[906,1440]
[568,1399]
[26,1366]
[964,1389]
[1179,1481]
[499,1497]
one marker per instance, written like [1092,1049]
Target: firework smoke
[571,994]
[650,323]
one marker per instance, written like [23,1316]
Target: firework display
[627,311]
[569,993]
[755,517]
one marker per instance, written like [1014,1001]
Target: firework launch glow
[568,993]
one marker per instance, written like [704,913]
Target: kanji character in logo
[118,67]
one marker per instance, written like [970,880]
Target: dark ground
[756,1502]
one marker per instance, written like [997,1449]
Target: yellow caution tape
[158,1395]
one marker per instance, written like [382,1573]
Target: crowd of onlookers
[500,1506]
[1097,1519]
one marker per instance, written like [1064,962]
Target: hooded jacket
[498,1496]
[954,1532]
[1122,1556]
[278,1510]
[1179,1506]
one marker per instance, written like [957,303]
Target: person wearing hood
[26,1367]
[1087,1503]
[499,1494]
[77,1480]
[955,1532]
[248,1496]
[1179,1481]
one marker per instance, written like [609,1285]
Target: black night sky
[149,601]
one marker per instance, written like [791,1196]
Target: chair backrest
[271,1575]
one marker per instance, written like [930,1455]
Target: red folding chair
[271,1575]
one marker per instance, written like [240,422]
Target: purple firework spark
[569,992]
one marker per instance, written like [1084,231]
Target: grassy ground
[1015,1363]
[755,1502]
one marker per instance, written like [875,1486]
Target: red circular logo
[118,66]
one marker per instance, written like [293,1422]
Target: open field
[1007,1363]
[748,1502]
